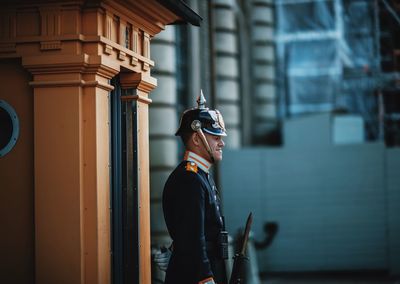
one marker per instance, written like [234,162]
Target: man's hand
[161,258]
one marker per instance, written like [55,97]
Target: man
[191,202]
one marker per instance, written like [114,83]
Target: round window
[9,128]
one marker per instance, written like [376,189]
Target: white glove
[161,258]
[209,280]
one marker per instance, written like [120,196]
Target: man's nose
[222,143]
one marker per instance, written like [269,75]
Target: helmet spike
[201,101]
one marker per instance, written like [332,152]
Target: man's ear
[195,139]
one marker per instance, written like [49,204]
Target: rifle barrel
[246,233]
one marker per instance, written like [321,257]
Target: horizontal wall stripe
[263,23]
[225,30]
[229,101]
[225,101]
[263,42]
[263,4]
[236,126]
[227,54]
[158,41]
[263,62]
[222,6]
[162,168]
[260,100]
[163,137]
[227,78]
[264,80]
[162,105]
[232,31]
[223,78]
[163,73]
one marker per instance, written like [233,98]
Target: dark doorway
[124,187]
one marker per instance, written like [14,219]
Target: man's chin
[218,158]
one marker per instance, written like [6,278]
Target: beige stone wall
[264,99]
[163,124]
[228,97]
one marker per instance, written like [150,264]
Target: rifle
[239,263]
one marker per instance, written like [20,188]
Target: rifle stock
[240,259]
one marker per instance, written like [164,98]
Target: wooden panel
[103,185]
[58,185]
[96,194]
[144,194]
[17,181]
[28,23]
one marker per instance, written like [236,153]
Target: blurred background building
[310,93]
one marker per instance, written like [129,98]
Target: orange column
[96,184]
[72,182]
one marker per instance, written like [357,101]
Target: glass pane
[307,16]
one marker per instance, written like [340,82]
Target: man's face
[216,144]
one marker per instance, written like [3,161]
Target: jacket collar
[200,161]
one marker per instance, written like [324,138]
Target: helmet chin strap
[205,143]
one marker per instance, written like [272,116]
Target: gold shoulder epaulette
[191,167]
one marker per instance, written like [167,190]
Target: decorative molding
[50,21]
[8,25]
[71,83]
[146,45]
[108,49]
[135,57]
[98,84]
[108,23]
[138,81]
[83,64]
[7,47]
[50,45]
[134,61]
[139,98]
[121,38]
[152,16]
[52,84]
[135,40]
[121,55]
[122,26]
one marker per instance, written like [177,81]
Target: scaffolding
[329,59]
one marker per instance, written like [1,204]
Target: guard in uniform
[191,202]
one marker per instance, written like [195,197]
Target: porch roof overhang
[181,9]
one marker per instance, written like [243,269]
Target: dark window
[9,128]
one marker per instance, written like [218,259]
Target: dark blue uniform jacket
[192,213]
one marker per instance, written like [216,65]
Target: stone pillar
[263,69]
[228,97]
[163,124]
